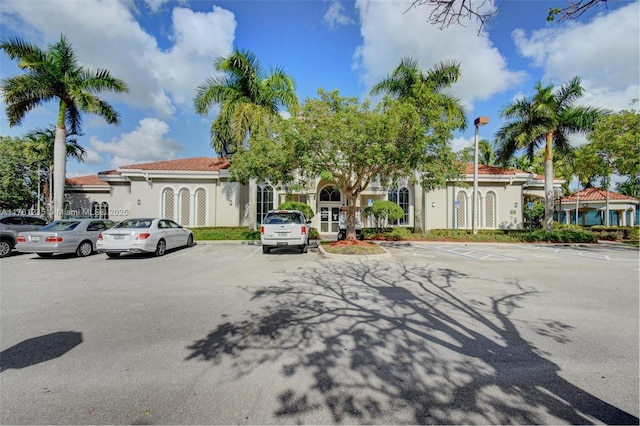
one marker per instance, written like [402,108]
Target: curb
[323,253]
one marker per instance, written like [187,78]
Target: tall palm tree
[406,80]
[55,75]
[38,150]
[247,97]
[547,119]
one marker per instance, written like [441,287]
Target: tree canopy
[352,144]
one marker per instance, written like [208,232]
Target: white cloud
[605,53]
[146,143]
[92,157]
[335,17]
[105,34]
[390,34]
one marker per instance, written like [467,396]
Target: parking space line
[469,253]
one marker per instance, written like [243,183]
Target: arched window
[330,193]
[100,210]
[401,198]
[264,201]
[201,207]
[461,213]
[490,210]
[185,207]
[168,204]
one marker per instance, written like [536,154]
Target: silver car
[145,235]
[64,236]
[11,225]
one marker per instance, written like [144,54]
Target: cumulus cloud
[389,34]
[105,34]
[605,53]
[146,143]
[335,16]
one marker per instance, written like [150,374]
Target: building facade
[198,192]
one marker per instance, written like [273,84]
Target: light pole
[480,121]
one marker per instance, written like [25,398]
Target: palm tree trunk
[59,163]
[548,183]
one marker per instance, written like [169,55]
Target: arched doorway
[329,204]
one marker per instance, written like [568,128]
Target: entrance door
[329,219]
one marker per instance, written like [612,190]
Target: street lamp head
[481,121]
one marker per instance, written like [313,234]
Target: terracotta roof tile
[489,170]
[197,164]
[596,194]
[85,180]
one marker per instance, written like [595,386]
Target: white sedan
[145,235]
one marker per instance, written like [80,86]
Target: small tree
[350,144]
[306,210]
[383,212]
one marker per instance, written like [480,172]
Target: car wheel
[5,248]
[113,255]
[161,248]
[45,254]
[266,249]
[303,248]
[84,249]
[190,241]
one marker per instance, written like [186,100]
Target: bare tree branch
[452,12]
[444,13]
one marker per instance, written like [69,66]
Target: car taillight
[143,236]
[303,230]
[262,230]
[100,236]
[21,239]
[53,240]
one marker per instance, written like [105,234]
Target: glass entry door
[329,219]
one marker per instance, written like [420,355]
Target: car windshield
[134,223]
[282,217]
[63,225]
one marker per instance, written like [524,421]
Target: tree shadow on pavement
[396,343]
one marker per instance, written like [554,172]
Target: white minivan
[284,228]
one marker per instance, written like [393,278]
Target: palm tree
[407,80]
[247,97]
[38,149]
[547,119]
[55,75]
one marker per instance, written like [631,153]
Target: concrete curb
[323,253]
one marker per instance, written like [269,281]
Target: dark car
[12,225]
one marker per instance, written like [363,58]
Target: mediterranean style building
[197,192]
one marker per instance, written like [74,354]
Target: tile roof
[197,164]
[85,181]
[596,194]
[489,170]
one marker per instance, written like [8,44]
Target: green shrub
[562,236]
[306,209]
[313,234]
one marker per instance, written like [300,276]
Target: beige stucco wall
[232,204]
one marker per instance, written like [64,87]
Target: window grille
[185,207]
[201,207]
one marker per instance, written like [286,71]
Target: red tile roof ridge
[194,164]
[85,180]
[597,194]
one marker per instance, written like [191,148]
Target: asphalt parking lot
[434,333]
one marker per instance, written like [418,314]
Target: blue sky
[165,49]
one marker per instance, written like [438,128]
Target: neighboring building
[591,205]
[197,192]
